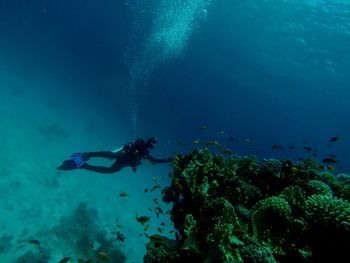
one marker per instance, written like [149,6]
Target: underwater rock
[6,243]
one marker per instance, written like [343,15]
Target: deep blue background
[273,72]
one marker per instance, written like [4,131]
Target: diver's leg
[102,154]
[116,167]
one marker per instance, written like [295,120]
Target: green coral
[254,253]
[328,211]
[318,187]
[234,209]
[161,251]
[294,195]
[270,218]
[329,222]
[221,238]
[344,180]
[272,167]
[190,230]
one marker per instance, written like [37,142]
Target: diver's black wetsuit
[122,158]
[130,154]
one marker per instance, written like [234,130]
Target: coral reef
[81,235]
[235,209]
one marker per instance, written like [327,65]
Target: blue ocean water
[87,76]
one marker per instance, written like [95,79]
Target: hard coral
[318,187]
[329,222]
[271,217]
[328,211]
[232,209]
[162,250]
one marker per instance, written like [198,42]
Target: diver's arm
[156,160]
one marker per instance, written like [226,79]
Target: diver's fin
[68,165]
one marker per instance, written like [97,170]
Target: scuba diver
[130,154]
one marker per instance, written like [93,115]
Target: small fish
[154,178]
[146,227]
[204,127]
[123,194]
[211,142]
[292,147]
[119,226]
[64,260]
[330,167]
[196,141]
[102,256]
[162,224]
[247,141]
[225,151]
[146,190]
[142,219]
[329,160]
[334,139]
[233,139]
[277,147]
[307,148]
[34,242]
[157,238]
[222,132]
[120,236]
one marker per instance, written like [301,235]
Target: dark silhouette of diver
[130,154]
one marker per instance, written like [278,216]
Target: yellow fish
[196,141]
